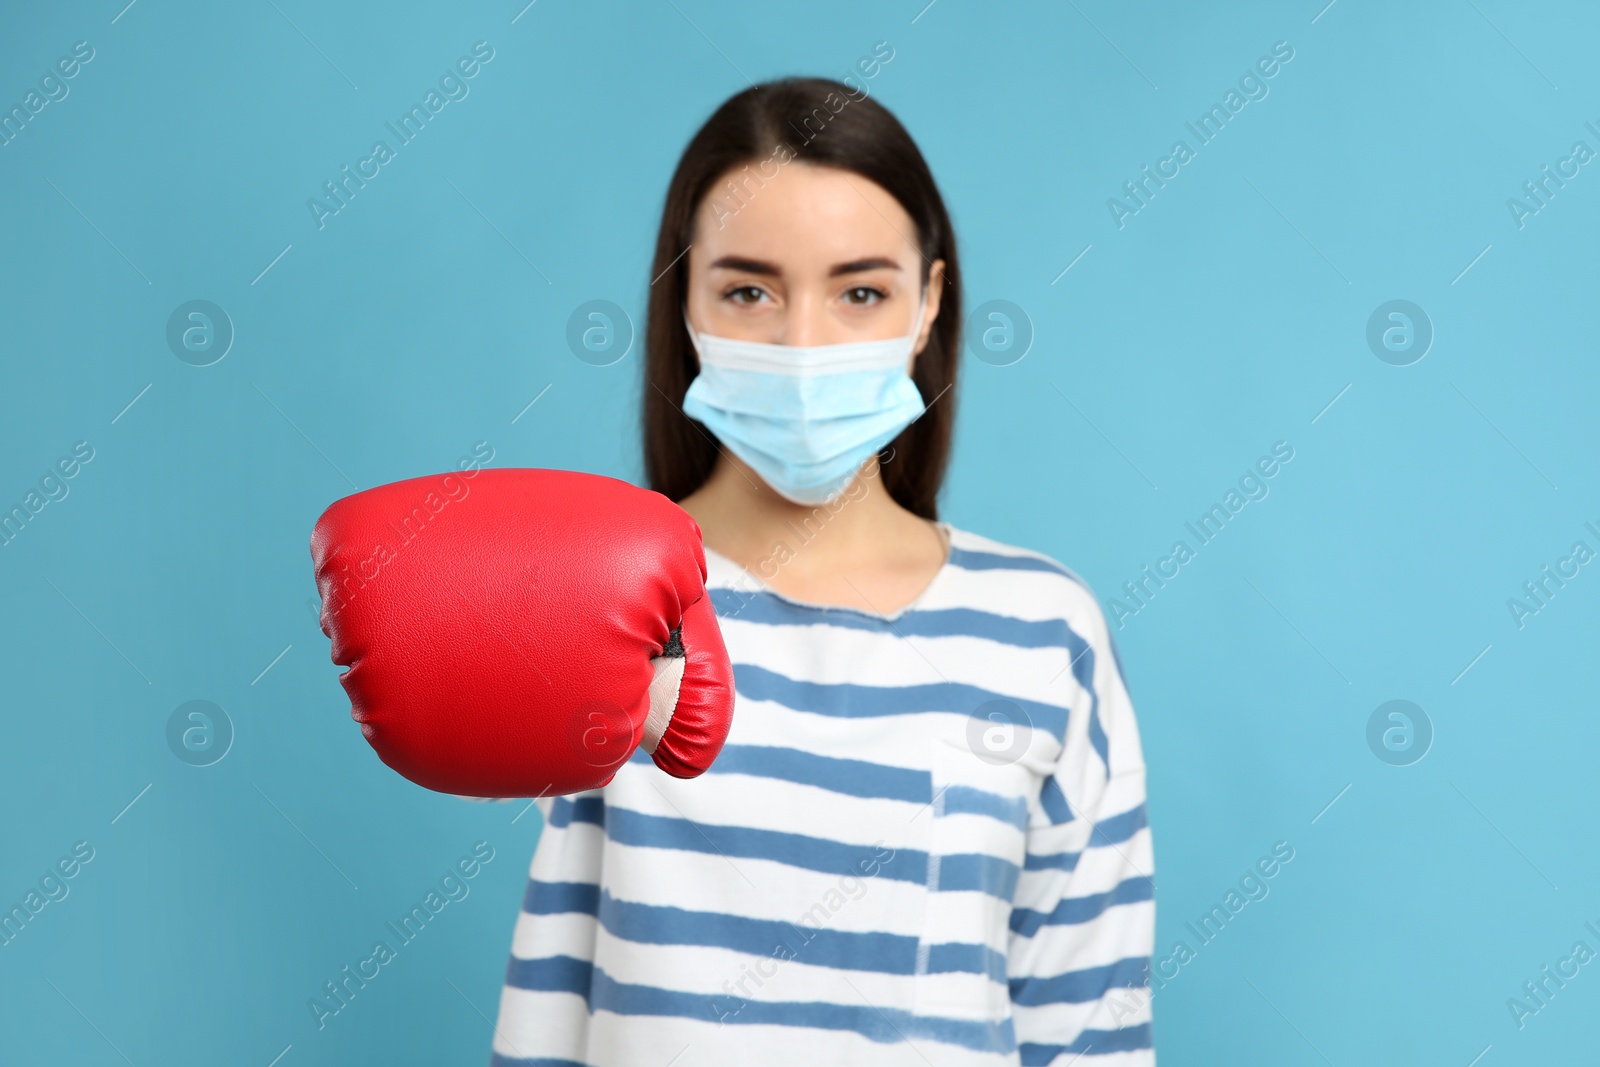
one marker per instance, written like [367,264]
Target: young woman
[925,839]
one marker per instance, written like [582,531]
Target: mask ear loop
[911,351]
[693,339]
[916,325]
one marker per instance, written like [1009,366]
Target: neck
[744,518]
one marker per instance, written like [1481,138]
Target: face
[814,256]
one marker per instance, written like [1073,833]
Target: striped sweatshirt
[924,843]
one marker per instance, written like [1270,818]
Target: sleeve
[1083,919]
[545,1002]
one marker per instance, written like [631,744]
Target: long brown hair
[825,123]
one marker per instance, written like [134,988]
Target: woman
[924,841]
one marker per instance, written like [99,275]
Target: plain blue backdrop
[1228,313]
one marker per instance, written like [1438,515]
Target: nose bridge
[805,320]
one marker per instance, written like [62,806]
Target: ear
[931,314]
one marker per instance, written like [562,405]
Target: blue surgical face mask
[805,418]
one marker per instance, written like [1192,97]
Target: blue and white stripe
[851,882]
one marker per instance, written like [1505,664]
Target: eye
[864,295]
[738,294]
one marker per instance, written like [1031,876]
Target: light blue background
[425,316]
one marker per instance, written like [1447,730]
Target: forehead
[802,218]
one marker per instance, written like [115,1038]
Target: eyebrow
[762,267]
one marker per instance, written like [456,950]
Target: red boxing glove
[518,632]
